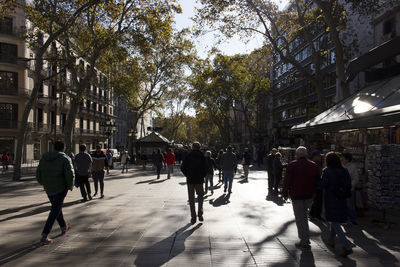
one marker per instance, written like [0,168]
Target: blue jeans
[56,201]
[228,180]
[336,229]
[125,167]
[351,209]
[98,176]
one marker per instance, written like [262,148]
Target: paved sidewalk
[145,222]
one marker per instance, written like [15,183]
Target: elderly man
[299,183]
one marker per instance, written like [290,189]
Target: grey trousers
[301,208]
[200,197]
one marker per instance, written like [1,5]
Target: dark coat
[300,179]
[194,167]
[246,158]
[210,162]
[270,163]
[332,179]
[278,168]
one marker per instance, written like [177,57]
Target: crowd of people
[315,192]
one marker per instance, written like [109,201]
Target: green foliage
[229,85]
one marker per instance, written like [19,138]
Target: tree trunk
[38,80]
[69,125]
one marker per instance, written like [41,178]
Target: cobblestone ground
[145,222]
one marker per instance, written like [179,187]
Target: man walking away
[124,161]
[99,163]
[299,183]
[246,164]
[158,162]
[270,169]
[194,169]
[83,165]
[170,161]
[56,174]
[210,163]
[4,161]
[278,168]
[228,164]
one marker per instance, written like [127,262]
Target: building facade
[48,116]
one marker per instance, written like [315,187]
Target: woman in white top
[353,171]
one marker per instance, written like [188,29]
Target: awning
[154,137]
[376,105]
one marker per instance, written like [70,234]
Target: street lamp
[110,127]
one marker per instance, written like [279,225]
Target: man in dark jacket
[299,183]
[246,163]
[99,163]
[195,169]
[56,173]
[270,169]
[228,165]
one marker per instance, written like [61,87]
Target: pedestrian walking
[336,182]
[246,161]
[4,161]
[219,167]
[210,163]
[194,169]
[228,165]
[110,162]
[347,161]
[270,169]
[100,163]
[299,184]
[124,161]
[170,161]
[158,162]
[277,169]
[56,174]
[83,166]
[316,208]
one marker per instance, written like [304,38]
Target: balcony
[22,92]
[39,127]
[9,124]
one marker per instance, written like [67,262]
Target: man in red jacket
[299,183]
[170,161]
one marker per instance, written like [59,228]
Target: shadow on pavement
[149,256]
[221,200]
[18,253]
[158,181]
[145,181]
[307,259]
[13,210]
[39,210]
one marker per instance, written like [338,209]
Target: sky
[206,42]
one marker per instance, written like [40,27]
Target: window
[88,124]
[8,115]
[6,25]
[8,81]
[81,123]
[8,53]
[389,30]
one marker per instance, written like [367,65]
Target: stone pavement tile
[231,258]
[144,259]
[124,238]
[189,259]
[270,256]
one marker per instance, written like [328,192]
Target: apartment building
[48,116]
[295,99]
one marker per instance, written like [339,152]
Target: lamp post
[110,127]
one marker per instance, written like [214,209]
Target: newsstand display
[383,167]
